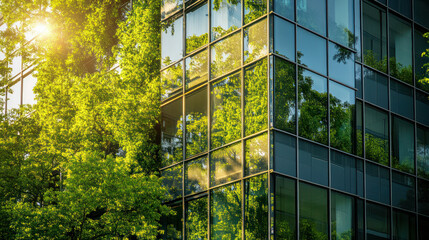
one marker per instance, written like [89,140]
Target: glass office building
[295,119]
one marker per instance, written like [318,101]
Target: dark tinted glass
[253,9]
[197,25]
[377,222]
[225,55]
[313,212]
[286,8]
[196,175]
[423,227]
[312,14]
[404,226]
[341,24]
[401,6]
[225,164]
[284,95]
[403,191]
[346,173]
[313,162]
[422,106]
[284,208]
[342,107]
[423,196]
[376,90]
[285,153]
[400,49]
[420,46]
[225,17]
[423,152]
[420,12]
[312,106]
[225,212]
[170,6]
[172,41]
[255,41]
[377,183]
[256,154]
[311,50]
[225,110]
[341,64]
[376,135]
[172,79]
[374,37]
[402,145]
[256,207]
[197,69]
[172,180]
[256,98]
[401,99]
[284,38]
[196,122]
[172,224]
[171,132]
[346,217]
[196,219]
[358,80]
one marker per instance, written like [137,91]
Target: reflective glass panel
[423,196]
[172,224]
[404,226]
[255,40]
[256,154]
[346,217]
[420,12]
[357,33]
[376,90]
[312,15]
[376,135]
[422,106]
[284,30]
[346,173]
[341,64]
[401,99]
[313,162]
[256,207]
[423,152]
[284,95]
[14,96]
[197,25]
[226,164]
[374,37]
[225,17]
[172,180]
[342,108]
[225,212]
[377,183]
[311,50]
[401,6]
[313,212]
[312,106]
[255,98]
[423,227]
[359,128]
[400,49]
[171,132]
[225,110]
[226,55]
[285,153]
[171,79]
[420,46]
[196,219]
[196,122]
[284,208]
[196,175]
[286,8]
[378,222]
[341,22]
[197,69]
[170,6]
[403,191]
[28,96]
[402,145]
[253,9]
[172,41]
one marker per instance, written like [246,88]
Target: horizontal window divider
[196,51]
[256,174]
[171,99]
[197,195]
[367,200]
[401,81]
[225,145]
[256,134]
[225,184]
[421,91]
[376,106]
[195,88]
[171,64]
[422,125]
[254,61]
[170,166]
[235,70]
[403,117]
[196,156]
[374,70]
[403,173]
[191,4]
[172,16]
[378,164]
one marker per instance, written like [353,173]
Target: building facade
[295,119]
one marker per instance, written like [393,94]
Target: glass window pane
[253,9]
[402,145]
[376,135]
[286,8]
[171,132]
[225,212]
[403,191]
[377,183]
[256,157]
[423,227]
[197,69]
[376,90]
[256,97]
[420,12]
[225,164]
[400,51]
[284,208]
[226,55]
[313,212]
[256,207]
[359,128]
[420,46]
[311,50]
[346,217]
[172,180]
[197,24]
[284,153]
[401,6]
[28,95]
[358,80]
[346,173]
[312,14]
[196,175]
[313,162]
[342,107]
[196,122]
[14,96]
[170,6]
[374,37]
[172,224]
[422,106]
[341,22]
[284,30]
[357,33]
[312,106]
[423,152]
[172,41]
[378,222]
[423,196]
[225,17]
[172,79]
[255,41]
[15,65]
[225,110]
[284,95]
[196,219]
[404,226]
[341,64]
[401,99]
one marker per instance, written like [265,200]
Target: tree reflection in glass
[255,41]
[171,132]
[170,6]
[226,164]
[341,22]
[172,180]
[171,80]
[402,145]
[196,175]
[284,95]
[197,28]
[400,49]
[196,122]
[376,135]
[253,9]
[423,152]
[225,17]
[225,55]
[256,154]
[197,69]
[172,224]
[256,207]
[172,41]
[196,219]
[284,208]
